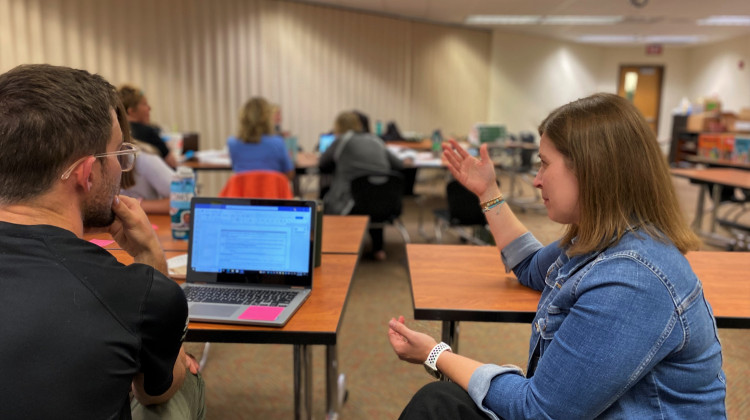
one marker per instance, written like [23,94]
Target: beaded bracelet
[488,205]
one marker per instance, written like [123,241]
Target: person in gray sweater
[354,154]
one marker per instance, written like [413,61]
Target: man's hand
[133,232]
[411,346]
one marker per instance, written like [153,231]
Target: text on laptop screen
[325,141]
[240,239]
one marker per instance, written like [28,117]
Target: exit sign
[653,49]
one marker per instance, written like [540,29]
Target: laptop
[250,261]
[325,141]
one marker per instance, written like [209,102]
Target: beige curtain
[198,61]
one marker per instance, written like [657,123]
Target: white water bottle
[181,192]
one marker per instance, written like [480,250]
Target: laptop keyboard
[239,296]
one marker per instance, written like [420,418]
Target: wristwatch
[430,365]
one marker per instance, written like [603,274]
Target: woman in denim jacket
[622,329]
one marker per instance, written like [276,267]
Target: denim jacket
[625,333]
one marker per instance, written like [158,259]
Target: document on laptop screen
[241,238]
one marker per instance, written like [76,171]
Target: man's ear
[82,173]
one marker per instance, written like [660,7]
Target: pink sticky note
[101,242]
[156,227]
[261,313]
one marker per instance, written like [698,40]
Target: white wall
[530,76]
[714,70]
[675,84]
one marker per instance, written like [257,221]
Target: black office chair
[463,216]
[380,197]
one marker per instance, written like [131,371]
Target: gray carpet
[255,381]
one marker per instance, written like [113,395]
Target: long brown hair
[623,177]
[255,120]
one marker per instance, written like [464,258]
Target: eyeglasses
[126,157]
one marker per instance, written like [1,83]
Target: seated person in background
[139,116]
[256,147]
[623,329]
[81,331]
[354,154]
[149,181]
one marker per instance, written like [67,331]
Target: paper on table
[177,266]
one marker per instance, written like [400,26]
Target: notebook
[250,261]
[325,141]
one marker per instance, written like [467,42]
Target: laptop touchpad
[211,310]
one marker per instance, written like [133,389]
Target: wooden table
[452,283]
[722,163]
[315,323]
[720,178]
[304,161]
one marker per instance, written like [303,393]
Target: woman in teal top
[256,147]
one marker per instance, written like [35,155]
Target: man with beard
[84,336]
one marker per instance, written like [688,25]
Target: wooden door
[642,86]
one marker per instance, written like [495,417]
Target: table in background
[722,163]
[486,293]
[720,178]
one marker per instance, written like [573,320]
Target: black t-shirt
[77,326]
[150,135]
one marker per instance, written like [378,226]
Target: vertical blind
[198,61]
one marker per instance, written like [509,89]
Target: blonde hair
[130,96]
[347,121]
[255,120]
[623,178]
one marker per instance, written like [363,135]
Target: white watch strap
[436,351]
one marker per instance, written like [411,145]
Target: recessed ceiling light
[608,39]
[503,19]
[725,20]
[672,39]
[544,20]
[634,39]
[581,20]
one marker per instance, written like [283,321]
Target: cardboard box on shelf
[696,122]
[741,126]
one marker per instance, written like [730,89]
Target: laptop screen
[325,141]
[251,241]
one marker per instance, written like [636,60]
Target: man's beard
[97,210]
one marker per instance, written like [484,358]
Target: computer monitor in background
[490,133]
[325,141]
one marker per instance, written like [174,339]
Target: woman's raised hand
[477,175]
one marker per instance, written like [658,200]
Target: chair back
[463,206]
[257,184]
[378,196]
[526,154]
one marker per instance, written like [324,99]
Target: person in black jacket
[139,116]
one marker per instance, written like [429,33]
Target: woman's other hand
[409,345]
